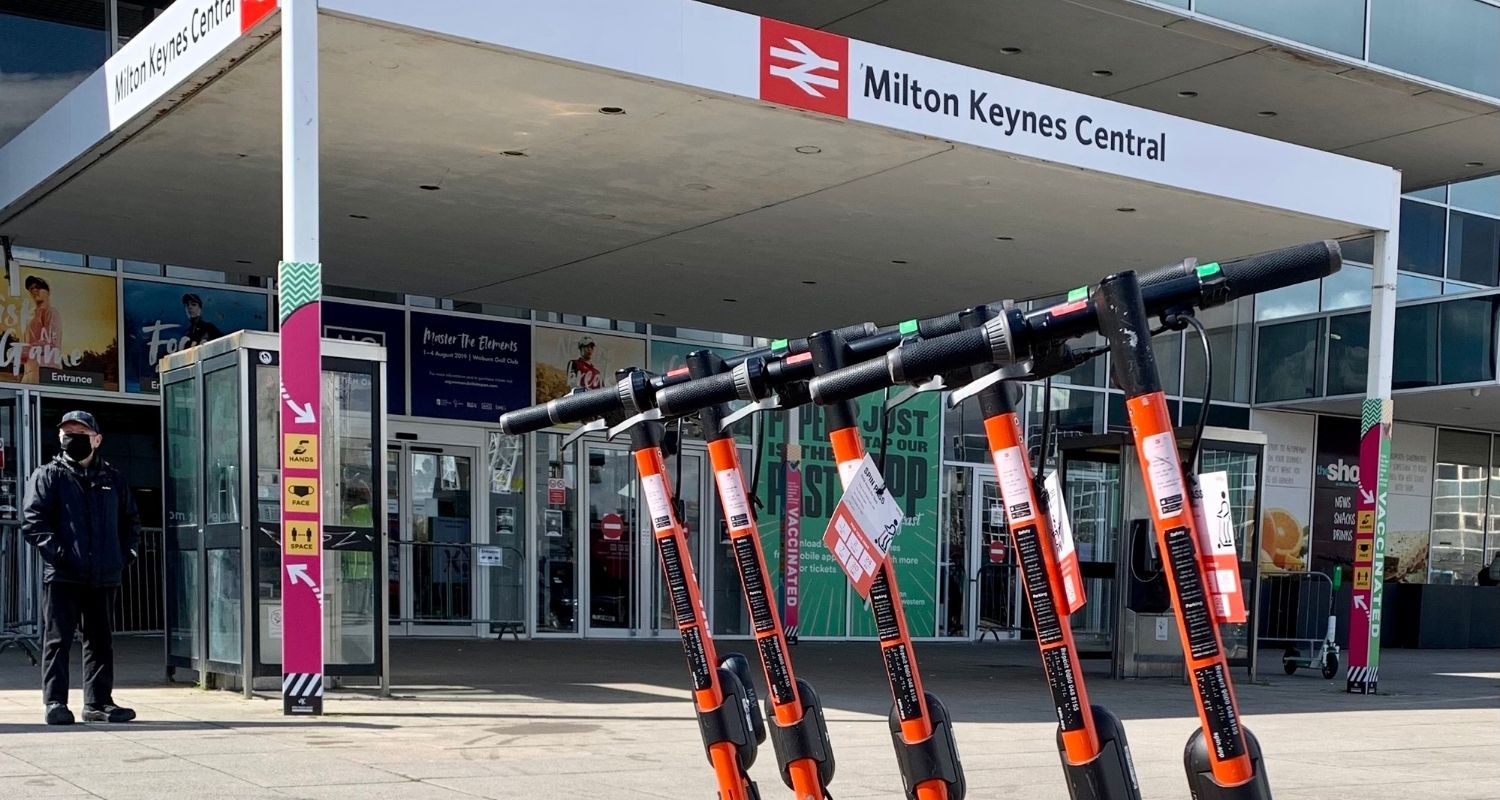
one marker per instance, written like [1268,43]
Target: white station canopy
[658,160]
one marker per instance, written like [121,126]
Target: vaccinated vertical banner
[162,318]
[60,330]
[301,515]
[1369,546]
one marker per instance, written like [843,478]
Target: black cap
[192,298]
[82,418]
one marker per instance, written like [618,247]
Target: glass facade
[1450,42]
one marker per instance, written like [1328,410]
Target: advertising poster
[162,318]
[1335,494]
[376,325]
[1286,496]
[467,367]
[824,597]
[60,330]
[1409,509]
[569,359]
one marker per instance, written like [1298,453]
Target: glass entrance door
[431,517]
[613,544]
[1002,610]
[687,488]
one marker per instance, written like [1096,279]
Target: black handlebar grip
[575,407]
[850,382]
[921,360]
[1279,268]
[933,327]
[697,394]
[525,420]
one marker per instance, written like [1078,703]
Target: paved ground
[611,720]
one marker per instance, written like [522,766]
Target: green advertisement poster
[912,472]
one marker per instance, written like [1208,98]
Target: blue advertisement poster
[162,318]
[468,368]
[377,325]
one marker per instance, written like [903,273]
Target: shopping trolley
[1297,613]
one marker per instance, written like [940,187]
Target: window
[221,459]
[1288,359]
[1336,25]
[1347,288]
[48,50]
[1482,195]
[1459,493]
[1466,331]
[1348,353]
[1230,335]
[1411,287]
[1423,228]
[1361,250]
[1289,301]
[1416,346]
[1473,248]
[348,470]
[1449,41]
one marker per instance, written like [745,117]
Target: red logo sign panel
[253,11]
[804,68]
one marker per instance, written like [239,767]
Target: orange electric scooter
[1222,758]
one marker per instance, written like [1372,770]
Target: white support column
[1374,463]
[299,130]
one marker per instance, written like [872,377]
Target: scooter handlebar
[1281,268]
[575,407]
[698,393]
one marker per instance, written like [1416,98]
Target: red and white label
[863,526]
[1062,542]
[611,526]
[998,550]
[1216,553]
[557,491]
[656,502]
[732,495]
[804,68]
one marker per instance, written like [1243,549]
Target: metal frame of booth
[248,518]
[1111,616]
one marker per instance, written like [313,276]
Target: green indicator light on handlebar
[908,327]
[778,346]
[1081,293]
[1208,270]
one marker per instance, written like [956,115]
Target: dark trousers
[77,608]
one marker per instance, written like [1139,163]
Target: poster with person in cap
[570,359]
[59,330]
[162,318]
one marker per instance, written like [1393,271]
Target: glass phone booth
[222,510]
[1128,618]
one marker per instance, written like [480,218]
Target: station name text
[903,89]
[206,17]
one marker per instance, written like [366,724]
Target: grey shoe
[58,714]
[107,713]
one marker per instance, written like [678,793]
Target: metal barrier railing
[445,581]
[138,606]
[1297,613]
[20,593]
[998,612]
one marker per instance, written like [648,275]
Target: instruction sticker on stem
[1062,542]
[863,526]
[1216,553]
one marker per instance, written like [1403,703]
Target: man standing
[199,330]
[79,514]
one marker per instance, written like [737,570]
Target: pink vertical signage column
[301,287]
[1369,547]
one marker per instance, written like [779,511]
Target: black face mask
[78,446]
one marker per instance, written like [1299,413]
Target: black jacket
[84,521]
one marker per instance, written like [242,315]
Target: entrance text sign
[301,557]
[1369,547]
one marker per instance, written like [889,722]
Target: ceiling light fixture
[809,149]
[429,187]
[1005,238]
[730,300]
[1103,73]
[1187,93]
[1265,113]
[611,110]
[1473,163]
[1125,210]
[242,261]
[702,187]
[1010,51]
[809,283]
[513,152]
[898,261]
